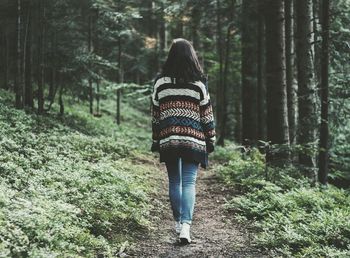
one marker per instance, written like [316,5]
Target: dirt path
[212,231]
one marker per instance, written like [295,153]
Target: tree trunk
[54,73]
[220,108]
[52,88]
[225,82]
[60,100]
[249,72]
[316,41]
[306,89]
[291,86]
[28,89]
[261,87]
[162,29]
[5,54]
[121,79]
[97,51]
[98,97]
[277,112]
[17,81]
[228,103]
[238,115]
[324,130]
[90,49]
[41,78]
[196,19]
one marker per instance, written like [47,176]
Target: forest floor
[214,233]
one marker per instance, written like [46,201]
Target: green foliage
[70,186]
[339,82]
[225,154]
[291,218]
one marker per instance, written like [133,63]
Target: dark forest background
[278,72]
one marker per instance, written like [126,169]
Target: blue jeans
[182,192]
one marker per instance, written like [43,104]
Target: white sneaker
[185,234]
[178,226]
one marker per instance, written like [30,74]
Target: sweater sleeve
[155,111]
[207,118]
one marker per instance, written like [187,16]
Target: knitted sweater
[182,120]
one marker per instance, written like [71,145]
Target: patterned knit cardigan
[182,120]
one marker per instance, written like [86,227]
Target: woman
[183,128]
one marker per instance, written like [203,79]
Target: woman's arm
[155,111]
[207,121]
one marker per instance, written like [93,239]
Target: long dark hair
[182,62]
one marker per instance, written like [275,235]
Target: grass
[290,217]
[72,186]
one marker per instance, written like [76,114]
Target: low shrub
[69,185]
[289,216]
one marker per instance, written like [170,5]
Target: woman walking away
[183,128]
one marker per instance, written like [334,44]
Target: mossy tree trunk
[306,89]
[249,72]
[324,130]
[277,112]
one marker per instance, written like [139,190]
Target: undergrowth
[291,218]
[71,186]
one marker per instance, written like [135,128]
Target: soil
[214,232]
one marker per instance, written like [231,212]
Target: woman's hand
[210,146]
[155,146]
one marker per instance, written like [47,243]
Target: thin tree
[277,112]
[229,35]
[316,46]
[52,85]
[121,78]
[261,87]
[220,91]
[41,70]
[90,49]
[60,95]
[28,88]
[5,52]
[17,80]
[324,130]
[306,89]
[97,51]
[249,72]
[291,86]
[196,19]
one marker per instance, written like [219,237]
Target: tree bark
[324,130]
[28,88]
[228,103]
[18,80]
[60,99]
[306,89]
[162,29]
[97,51]
[261,87]
[5,53]
[291,86]
[41,78]
[316,48]
[90,49]
[196,18]
[219,86]
[121,79]
[53,87]
[249,72]
[224,116]
[277,112]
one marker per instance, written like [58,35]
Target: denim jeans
[182,188]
